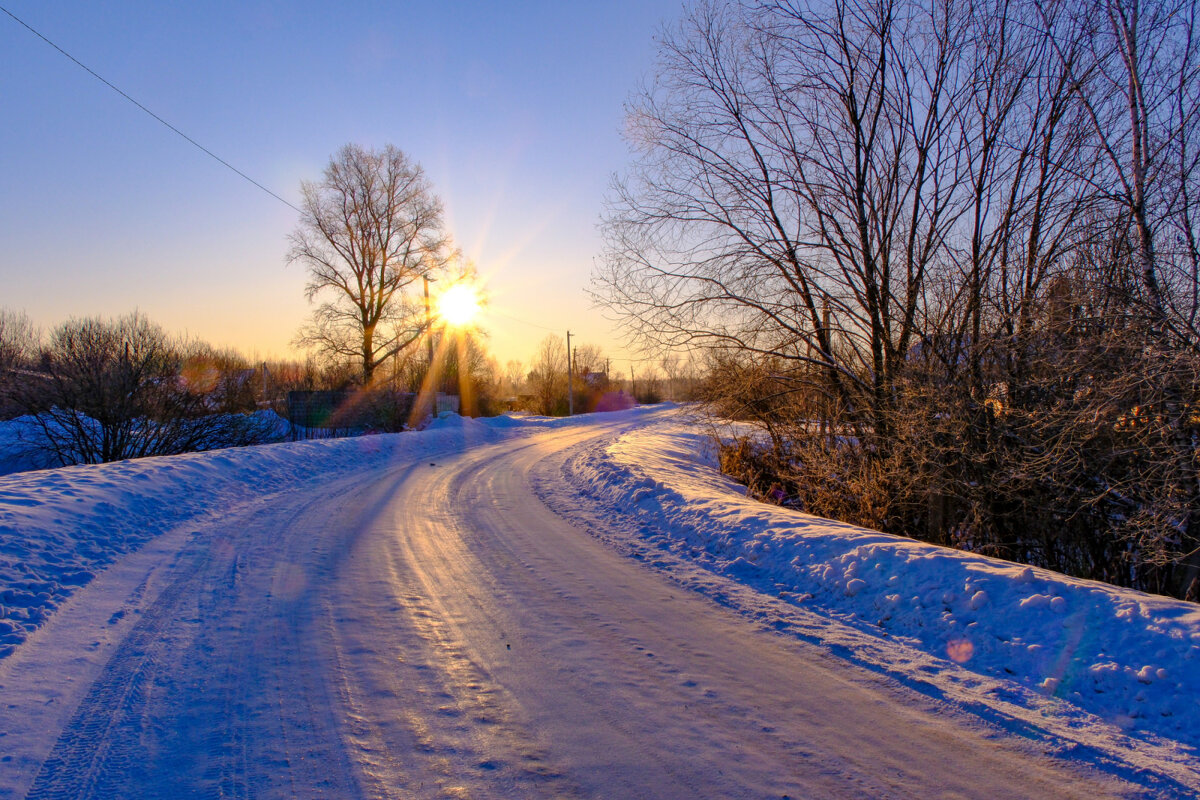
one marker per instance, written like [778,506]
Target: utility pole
[428,320]
[570,389]
[432,390]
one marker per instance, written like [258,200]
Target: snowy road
[433,630]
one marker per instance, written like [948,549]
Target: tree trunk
[368,354]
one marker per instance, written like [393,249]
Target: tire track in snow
[428,717]
[95,744]
[212,692]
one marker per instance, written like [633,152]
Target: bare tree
[1140,86]
[548,375]
[671,366]
[588,358]
[18,340]
[368,230]
[1135,68]
[112,389]
[514,376]
[463,367]
[18,348]
[944,255]
[224,377]
[796,188]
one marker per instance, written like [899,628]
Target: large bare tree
[1140,86]
[370,228]
[796,187]
[953,239]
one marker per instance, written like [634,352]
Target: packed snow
[982,630]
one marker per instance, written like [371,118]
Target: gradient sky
[515,110]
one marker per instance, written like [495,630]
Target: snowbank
[1125,656]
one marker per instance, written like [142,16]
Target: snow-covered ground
[1024,644]
[1071,663]
[59,527]
[25,446]
[1130,657]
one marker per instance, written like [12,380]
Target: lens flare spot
[960,650]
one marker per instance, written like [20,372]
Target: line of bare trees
[100,390]
[594,380]
[945,255]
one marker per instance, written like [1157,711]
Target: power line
[100,78]
[522,321]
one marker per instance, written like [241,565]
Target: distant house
[596,380]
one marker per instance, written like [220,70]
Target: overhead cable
[109,84]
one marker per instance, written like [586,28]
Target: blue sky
[514,109]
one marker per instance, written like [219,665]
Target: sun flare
[459,305]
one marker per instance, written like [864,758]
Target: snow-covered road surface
[433,630]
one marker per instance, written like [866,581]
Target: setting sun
[459,304]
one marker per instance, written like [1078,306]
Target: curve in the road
[436,631]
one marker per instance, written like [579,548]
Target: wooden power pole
[570,389]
